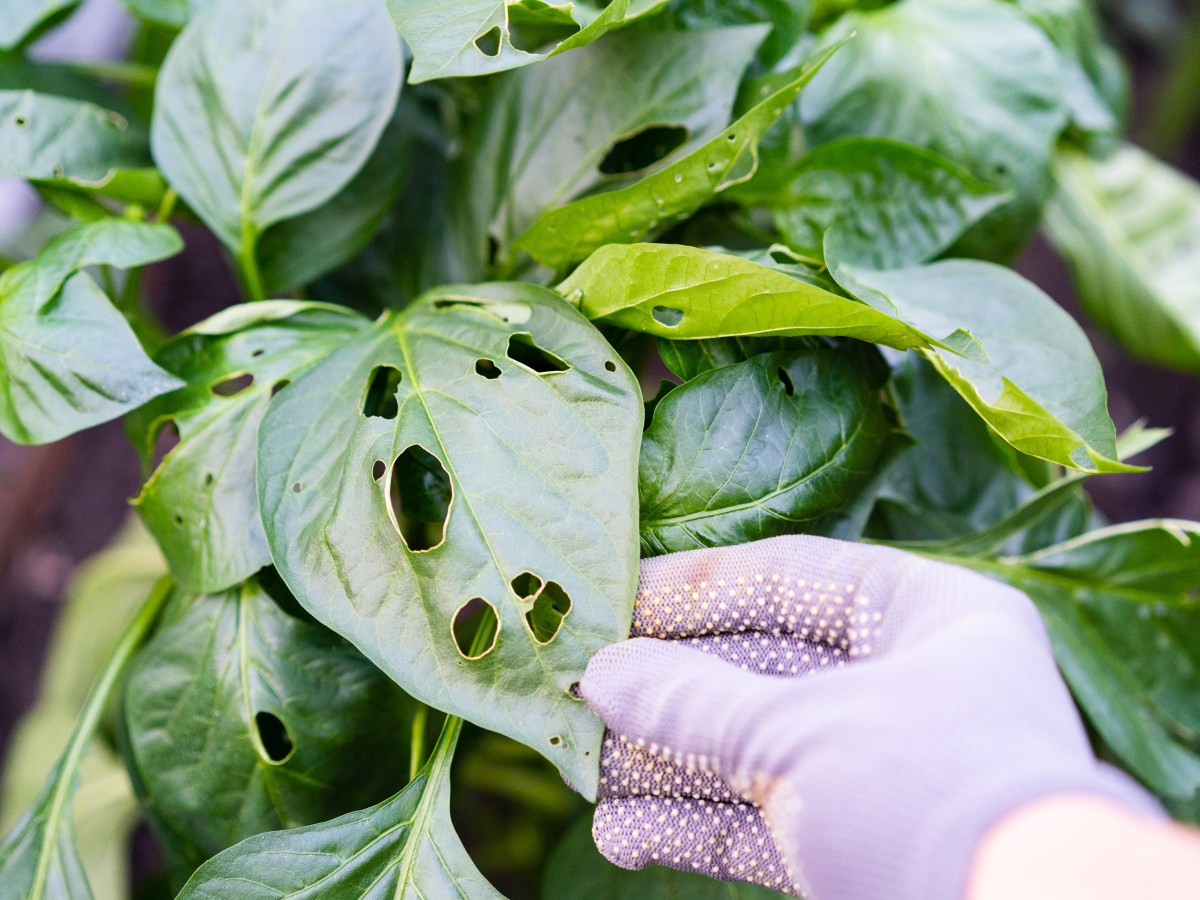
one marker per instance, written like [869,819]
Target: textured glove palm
[935,708]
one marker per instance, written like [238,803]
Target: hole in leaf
[642,149]
[526,585]
[523,350]
[178,519]
[493,251]
[786,380]
[20,121]
[549,610]
[555,741]
[165,440]
[279,386]
[208,478]
[419,496]
[487,368]
[574,692]
[488,43]
[475,628]
[610,366]
[233,385]
[667,315]
[273,735]
[378,469]
[511,313]
[257,353]
[58,171]
[743,169]
[379,401]
[297,487]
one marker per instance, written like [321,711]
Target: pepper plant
[532,290]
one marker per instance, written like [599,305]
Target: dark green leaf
[788,19]
[201,503]
[891,204]
[1129,226]
[569,233]
[687,359]
[242,719]
[539,461]
[774,445]
[265,110]
[404,848]
[21,19]
[63,141]
[476,37]
[577,870]
[969,79]
[545,132]
[1018,358]
[68,360]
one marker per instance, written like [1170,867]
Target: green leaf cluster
[401,491]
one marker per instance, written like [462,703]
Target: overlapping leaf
[68,360]
[201,502]
[1129,226]
[404,848]
[545,132]
[242,719]
[774,445]
[20,20]
[628,215]
[264,111]
[969,79]
[478,37]
[506,413]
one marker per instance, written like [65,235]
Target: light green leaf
[53,139]
[774,445]
[68,360]
[1129,226]
[297,251]
[569,233]
[264,111]
[404,848]
[201,502]
[477,37]
[891,204]
[39,859]
[166,12]
[22,18]
[971,80]
[545,132]
[1018,358]
[1122,610]
[242,719]
[788,20]
[687,293]
[577,870]
[467,385]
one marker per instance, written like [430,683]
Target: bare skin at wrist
[1077,846]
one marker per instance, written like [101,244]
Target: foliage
[402,490]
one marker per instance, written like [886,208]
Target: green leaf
[63,141]
[21,19]
[774,445]
[477,37]
[264,111]
[1018,358]
[554,132]
[788,20]
[175,13]
[891,204]
[687,293]
[1129,227]
[68,360]
[242,719]
[569,233]
[687,359]
[299,250]
[201,502]
[971,80]
[577,870]
[1122,610]
[39,859]
[539,462]
[404,848]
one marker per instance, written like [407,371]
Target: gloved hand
[934,709]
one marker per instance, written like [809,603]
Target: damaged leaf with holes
[243,716]
[409,478]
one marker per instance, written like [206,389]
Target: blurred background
[61,503]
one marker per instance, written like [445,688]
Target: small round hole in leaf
[488,43]
[475,628]
[786,380]
[20,121]
[233,385]
[667,315]
[279,386]
[487,368]
[526,585]
[610,366]
[274,737]
[379,399]
[208,478]
[555,741]
[378,469]
[549,609]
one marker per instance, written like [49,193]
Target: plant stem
[247,263]
[167,206]
[130,73]
[416,753]
[93,708]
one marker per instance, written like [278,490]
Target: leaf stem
[167,206]
[93,707]
[247,262]
[416,753]
[128,73]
